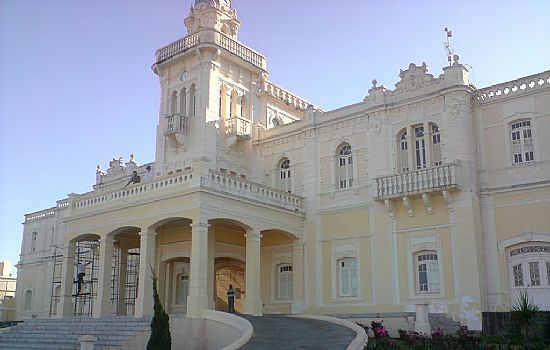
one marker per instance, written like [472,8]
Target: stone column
[102,305]
[122,308]
[168,285]
[298,300]
[198,279]
[412,153]
[162,284]
[67,281]
[252,299]
[144,300]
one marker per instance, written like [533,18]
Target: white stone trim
[524,237]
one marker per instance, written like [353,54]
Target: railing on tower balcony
[238,126]
[176,123]
[211,36]
[443,177]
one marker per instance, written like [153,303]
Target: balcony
[176,129]
[238,126]
[210,36]
[420,181]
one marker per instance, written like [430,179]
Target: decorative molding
[409,205]
[427,199]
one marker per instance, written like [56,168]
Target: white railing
[225,183]
[176,123]
[135,190]
[515,87]
[211,36]
[285,96]
[442,177]
[238,126]
[46,213]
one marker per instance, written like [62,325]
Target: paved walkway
[281,332]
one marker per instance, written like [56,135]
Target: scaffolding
[57,268]
[87,256]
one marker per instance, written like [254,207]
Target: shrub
[160,325]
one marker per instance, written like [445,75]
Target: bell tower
[213,14]
[209,102]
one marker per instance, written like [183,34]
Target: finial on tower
[451,56]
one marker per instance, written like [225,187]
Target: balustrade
[176,123]
[515,87]
[243,188]
[442,177]
[238,126]
[210,36]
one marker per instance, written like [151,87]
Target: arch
[27,306]
[85,237]
[231,223]
[344,166]
[192,100]
[526,237]
[284,174]
[173,102]
[283,235]
[402,151]
[184,220]
[183,101]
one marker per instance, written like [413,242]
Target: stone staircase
[111,332]
[443,322]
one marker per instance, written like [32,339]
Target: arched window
[529,269]
[436,145]
[34,239]
[192,101]
[427,272]
[522,141]
[345,166]
[285,282]
[284,175]
[174,103]
[28,300]
[183,101]
[403,151]
[182,289]
[347,277]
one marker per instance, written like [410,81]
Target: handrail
[211,36]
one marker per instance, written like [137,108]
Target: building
[433,193]
[7,292]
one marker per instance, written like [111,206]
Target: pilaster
[298,297]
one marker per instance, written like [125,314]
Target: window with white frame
[529,270]
[419,147]
[345,166]
[284,175]
[347,277]
[427,272]
[415,148]
[522,141]
[285,282]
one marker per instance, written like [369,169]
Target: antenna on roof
[447,44]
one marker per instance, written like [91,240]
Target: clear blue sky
[76,88]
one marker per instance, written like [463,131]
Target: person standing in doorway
[231,299]
[80,273]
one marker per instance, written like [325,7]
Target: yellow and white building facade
[434,193]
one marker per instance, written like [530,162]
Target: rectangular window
[428,273]
[534,273]
[529,156]
[517,158]
[348,278]
[518,275]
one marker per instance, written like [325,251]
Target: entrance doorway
[229,271]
